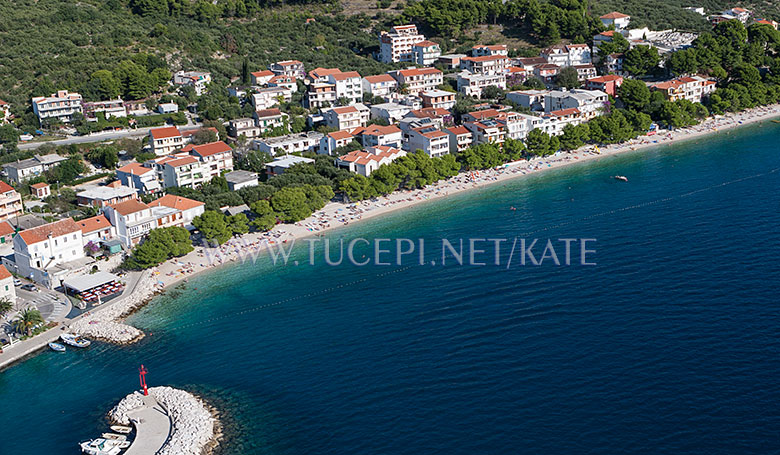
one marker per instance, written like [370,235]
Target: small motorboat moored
[121,429]
[74,340]
[115,437]
[622,178]
[101,446]
[56,347]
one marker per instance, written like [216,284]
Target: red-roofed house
[7,232]
[261,77]
[693,88]
[430,140]
[293,68]
[47,254]
[134,219]
[10,201]
[140,177]
[189,208]
[215,158]
[617,20]
[349,85]
[376,135]
[96,228]
[40,190]
[460,138]
[607,84]
[364,162]
[486,64]
[7,289]
[331,141]
[165,140]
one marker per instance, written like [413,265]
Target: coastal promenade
[152,427]
[21,349]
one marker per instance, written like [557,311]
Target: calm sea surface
[670,344]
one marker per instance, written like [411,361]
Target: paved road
[52,305]
[100,137]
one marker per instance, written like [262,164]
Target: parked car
[30,287]
[17,282]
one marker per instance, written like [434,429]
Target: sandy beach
[337,214]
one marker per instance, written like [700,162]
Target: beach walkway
[152,427]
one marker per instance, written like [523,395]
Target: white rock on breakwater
[104,322]
[192,425]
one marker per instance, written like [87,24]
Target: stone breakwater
[106,323]
[193,426]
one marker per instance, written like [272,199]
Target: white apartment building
[11,201]
[291,143]
[348,85]
[377,135]
[589,103]
[20,171]
[292,68]
[133,220]
[187,208]
[416,80]
[567,54]
[486,64]
[396,45]
[165,140]
[110,108]
[59,106]
[471,84]
[460,138]
[430,140]
[47,254]
[691,88]
[215,158]
[392,112]
[140,177]
[331,141]
[347,117]
[379,85]
[266,98]
[426,52]
[438,99]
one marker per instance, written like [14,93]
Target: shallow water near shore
[668,345]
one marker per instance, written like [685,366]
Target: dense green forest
[60,43]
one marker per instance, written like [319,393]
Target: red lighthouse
[142,375]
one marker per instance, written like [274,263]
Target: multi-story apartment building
[460,138]
[379,85]
[260,78]
[10,202]
[472,84]
[589,103]
[438,99]
[430,140]
[140,177]
[418,80]
[364,162]
[102,196]
[546,72]
[377,135]
[331,141]
[285,82]
[567,54]
[59,106]
[188,208]
[266,98]
[532,99]
[320,95]
[215,158]
[585,72]
[293,68]
[396,45]
[349,85]
[196,79]
[486,64]
[96,229]
[47,254]
[291,143]
[165,140]
[426,52]
[487,131]
[489,49]
[347,117]
[133,219]
[618,21]
[691,88]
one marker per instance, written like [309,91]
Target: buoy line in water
[525,234]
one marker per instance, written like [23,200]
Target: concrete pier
[152,427]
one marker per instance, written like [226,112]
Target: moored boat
[56,347]
[622,178]
[74,340]
[115,437]
[121,429]
[101,446]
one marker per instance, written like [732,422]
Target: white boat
[115,437]
[121,429]
[622,178]
[74,340]
[56,347]
[101,446]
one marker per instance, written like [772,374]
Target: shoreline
[337,214]
[107,324]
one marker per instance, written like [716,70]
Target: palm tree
[27,319]
[5,306]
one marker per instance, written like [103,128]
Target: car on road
[30,287]
[17,282]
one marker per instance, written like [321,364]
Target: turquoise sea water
[668,345]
